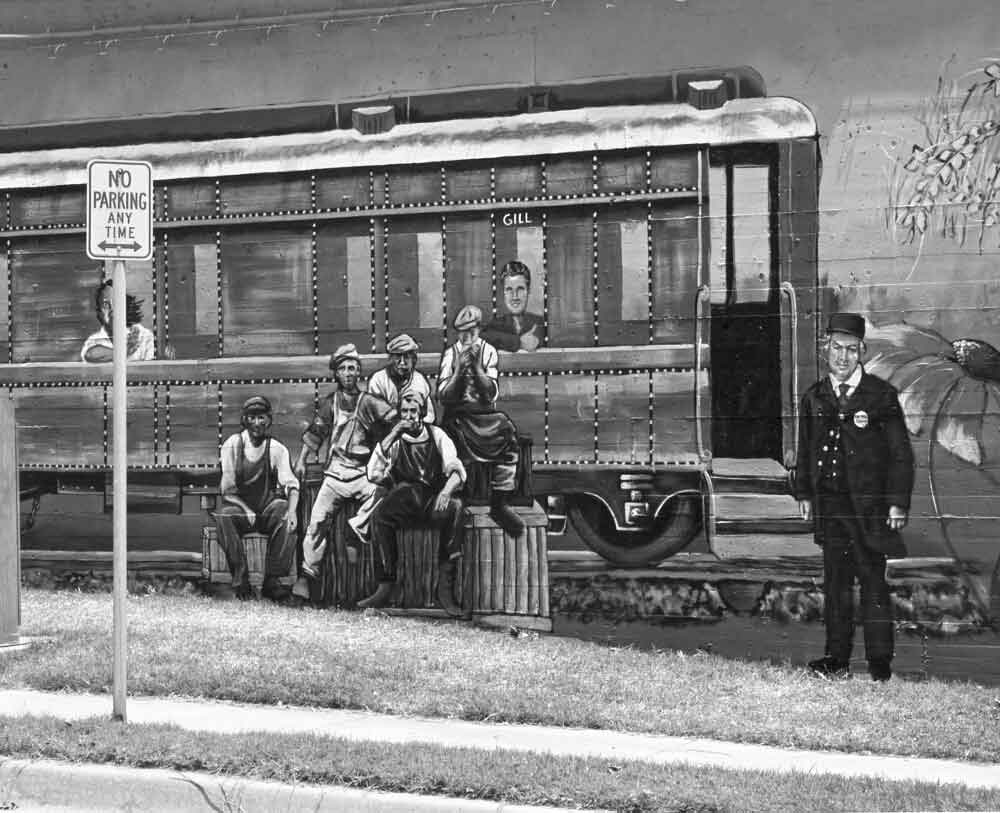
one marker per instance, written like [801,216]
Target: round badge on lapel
[861,419]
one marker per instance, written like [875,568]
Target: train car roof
[738,121]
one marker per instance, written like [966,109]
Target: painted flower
[950,394]
[949,391]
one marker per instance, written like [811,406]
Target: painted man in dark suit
[854,478]
[518,329]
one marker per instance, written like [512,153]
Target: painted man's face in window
[515,294]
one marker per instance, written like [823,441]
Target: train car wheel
[674,528]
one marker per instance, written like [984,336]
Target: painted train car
[669,223]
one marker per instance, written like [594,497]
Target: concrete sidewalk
[200,715]
[50,786]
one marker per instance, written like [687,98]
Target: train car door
[749,510]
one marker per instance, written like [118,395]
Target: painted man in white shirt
[400,375]
[259,493]
[140,343]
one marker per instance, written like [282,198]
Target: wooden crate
[215,569]
[506,580]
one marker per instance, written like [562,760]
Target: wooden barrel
[255,549]
[506,579]
[215,568]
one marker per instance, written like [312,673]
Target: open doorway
[746,330]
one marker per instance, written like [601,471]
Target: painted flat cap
[469,316]
[346,352]
[403,343]
[416,396]
[852,324]
[256,404]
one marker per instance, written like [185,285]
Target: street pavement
[181,792]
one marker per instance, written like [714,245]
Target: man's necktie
[843,394]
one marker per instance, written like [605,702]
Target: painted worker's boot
[446,589]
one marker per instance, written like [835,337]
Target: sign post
[119,228]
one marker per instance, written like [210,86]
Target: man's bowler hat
[852,324]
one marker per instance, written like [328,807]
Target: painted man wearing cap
[345,422]
[467,391]
[517,329]
[419,465]
[854,478]
[259,493]
[401,375]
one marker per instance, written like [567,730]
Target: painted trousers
[231,523]
[405,506]
[846,558]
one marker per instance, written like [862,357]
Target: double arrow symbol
[104,246]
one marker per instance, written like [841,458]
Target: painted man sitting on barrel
[259,493]
[468,390]
[419,465]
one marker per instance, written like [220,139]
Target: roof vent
[373,120]
[707,94]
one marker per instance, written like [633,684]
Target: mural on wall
[647,276]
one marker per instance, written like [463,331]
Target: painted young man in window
[140,345]
[518,329]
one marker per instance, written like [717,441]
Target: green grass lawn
[513,778]
[260,653]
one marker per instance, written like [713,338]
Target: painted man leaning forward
[259,493]
[468,390]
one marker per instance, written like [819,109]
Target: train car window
[343,189]
[569,244]
[675,246]
[344,285]
[751,241]
[718,233]
[623,278]
[414,270]
[52,290]
[189,309]
[60,206]
[5,324]
[414,185]
[268,193]
[469,264]
[519,235]
[266,292]
[186,199]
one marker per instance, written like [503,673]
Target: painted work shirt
[145,348]
[382,386]
[241,468]
[429,458]
[347,432]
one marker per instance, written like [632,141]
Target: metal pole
[119,462]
